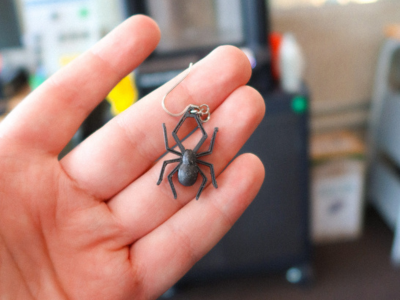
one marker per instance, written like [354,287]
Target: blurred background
[325,223]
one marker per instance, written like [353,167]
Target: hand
[95,225]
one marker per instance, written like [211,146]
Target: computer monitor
[192,24]
[190,29]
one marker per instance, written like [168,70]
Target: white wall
[341,46]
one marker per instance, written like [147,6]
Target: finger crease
[106,63]
[185,241]
[226,219]
[136,140]
[79,187]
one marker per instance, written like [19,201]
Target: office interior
[325,223]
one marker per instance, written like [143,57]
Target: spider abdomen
[187,174]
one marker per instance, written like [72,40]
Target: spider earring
[188,162]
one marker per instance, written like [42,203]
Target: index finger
[49,117]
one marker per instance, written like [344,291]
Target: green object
[83,12]
[37,79]
[299,104]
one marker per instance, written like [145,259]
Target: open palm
[95,225]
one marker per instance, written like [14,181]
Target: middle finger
[123,149]
[143,205]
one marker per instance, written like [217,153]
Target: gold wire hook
[200,110]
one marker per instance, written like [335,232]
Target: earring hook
[202,110]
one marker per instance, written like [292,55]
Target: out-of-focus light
[343,2]
[317,2]
[250,56]
[364,1]
[288,4]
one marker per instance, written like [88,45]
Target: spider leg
[166,142]
[165,163]
[204,137]
[210,150]
[203,184]
[174,133]
[170,179]
[214,181]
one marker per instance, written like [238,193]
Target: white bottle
[291,64]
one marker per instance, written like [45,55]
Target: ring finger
[236,120]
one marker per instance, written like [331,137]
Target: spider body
[188,170]
[188,161]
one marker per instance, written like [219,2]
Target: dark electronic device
[272,235]
[190,29]
[10,37]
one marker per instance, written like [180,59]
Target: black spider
[187,167]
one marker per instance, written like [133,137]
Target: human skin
[95,225]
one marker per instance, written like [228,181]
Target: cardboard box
[337,187]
